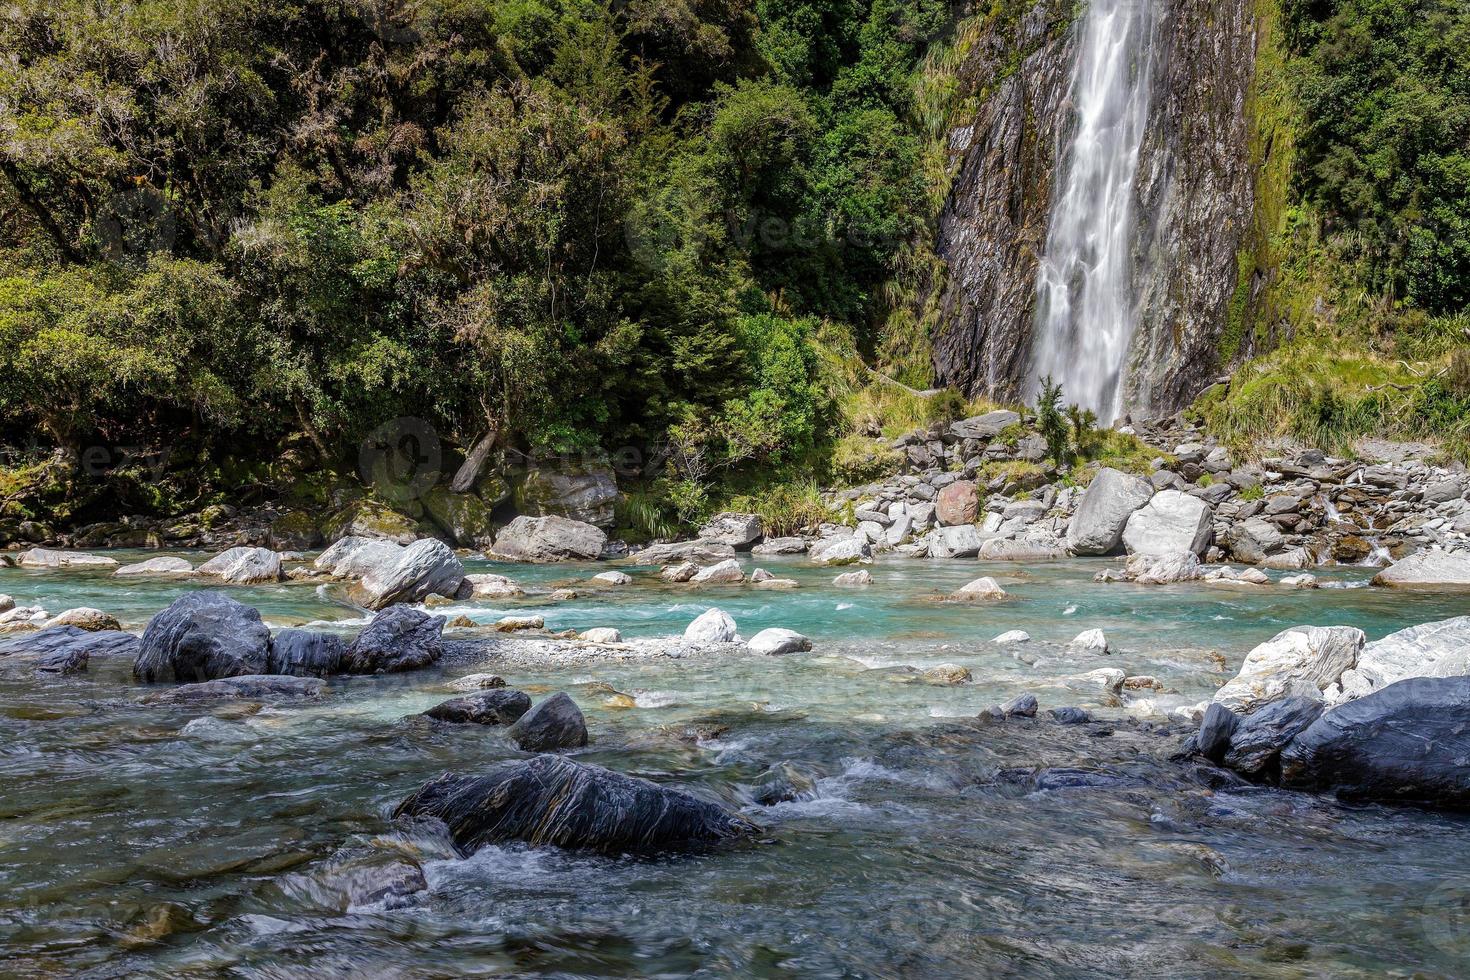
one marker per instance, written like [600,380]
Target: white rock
[47,558]
[1107,678]
[727,572]
[679,573]
[860,577]
[981,588]
[426,567]
[1149,569]
[1012,636]
[1089,641]
[1428,570]
[712,626]
[1300,581]
[613,578]
[842,551]
[161,566]
[1170,523]
[736,530]
[510,624]
[493,587]
[960,541]
[601,634]
[83,617]
[244,566]
[1439,649]
[777,641]
[1301,661]
[1111,498]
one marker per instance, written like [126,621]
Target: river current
[172,840]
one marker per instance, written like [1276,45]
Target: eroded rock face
[65,649]
[1439,649]
[553,801]
[1304,660]
[424,568]
[304,653]
[202,636]
[243,566]
[1170,523]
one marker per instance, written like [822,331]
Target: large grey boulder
[555,723]
[464,517]
[781,546]
[47,558]
[202,636]
[551,801]
[1253,540]
[776,641]
[549,539]
[398,639]
[739,531]
[1301,661]
[354,556]
[678,552]
[305,653]
[1405,743]
[963,541]
[842,551]
[585,496]
[243,566]
[1111,498]
[1168,524]
[1439,649]
[1428,570]
[424,568]
[65,649]
[711,626]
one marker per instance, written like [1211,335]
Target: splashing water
[1084,310]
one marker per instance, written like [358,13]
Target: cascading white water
[1085,310]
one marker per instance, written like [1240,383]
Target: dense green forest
[228,227]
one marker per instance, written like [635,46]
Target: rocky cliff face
[1194,203]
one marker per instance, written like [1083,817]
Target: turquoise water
[161,840]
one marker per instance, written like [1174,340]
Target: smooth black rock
[551,800]
[1406,743]
[304,653]
[1070,716]
[201,637]
[1259,738]
[498,706]
[1215,732]
[398,639]
[247,687]
[1020,706]
[555,723]
[1063,777]
[66,649]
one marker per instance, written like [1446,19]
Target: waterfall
[1085,312]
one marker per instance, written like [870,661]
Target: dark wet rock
[1215,732]
[398,639]
[248,687]
[555,723]
[1406,743]
[1020,706]
[1070,716]
[305,653]
[202,636]
[65,649]
[1063,778]
[553,801]
[1259,738]
[497,706]
[781,784]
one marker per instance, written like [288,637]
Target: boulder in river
[1258,739]
[1303,660]
[553,801]
[1253,540]
[247,687]
[549,539]
[398,639]
[981,588]
[580,495]
[306,653]
[860,577]
[612,578]
[682,552]
[493,587]
[202,636]
[711,626]
[160,567]
[739,531]
[426,567]
[1405,743]
[1170,523]
[1110,500]
[353,557]
[600,634]
[1089,641]
[1428,570]
[66,649]
[243,566]
[849,550]
[781,546]
[496,706]
[1170,569]
[555,723]
[1440,649]
[48,558]
[727,572]
[84,617]
[778,641]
